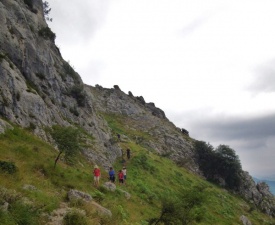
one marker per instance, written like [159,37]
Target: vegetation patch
[75,217]
[69,71]
[160,190]
[225,164]
[77,92]
[47,33]
[8,167]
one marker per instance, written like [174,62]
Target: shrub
[70,71]
[23,214]
[8,167]
[29,3]
[78,93]
[47,33]
[75,217]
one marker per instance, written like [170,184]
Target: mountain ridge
[40,89]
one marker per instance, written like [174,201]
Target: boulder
[110,186]
[101,210]
[75,194]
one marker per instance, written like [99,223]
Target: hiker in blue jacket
[112,175]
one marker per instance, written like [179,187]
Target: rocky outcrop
[75,195]
[38,88]
[164,137]
[258,194]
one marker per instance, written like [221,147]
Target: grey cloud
[234,128]
[264,79]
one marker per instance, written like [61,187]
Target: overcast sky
[210,65]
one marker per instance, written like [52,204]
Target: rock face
[258,194]
[38,89]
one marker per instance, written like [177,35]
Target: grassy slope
[149,178]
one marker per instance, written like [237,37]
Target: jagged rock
[75,194]
[258,194]
[116,87]
[263,188]
[101,210]
[155,111]
[245,220]
[109,186]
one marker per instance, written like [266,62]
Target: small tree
[46,11]
[67,140]
[230,166]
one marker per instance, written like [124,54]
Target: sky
[210,65]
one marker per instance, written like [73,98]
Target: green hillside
[33,189]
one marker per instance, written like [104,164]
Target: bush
[75,217]
[221,162]
[8,167]
[29,3]
[70,71]
[47,33]
[23,214]
[78,94]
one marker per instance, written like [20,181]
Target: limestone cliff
[39,89]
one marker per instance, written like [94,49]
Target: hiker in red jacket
[121,177]
[96,175]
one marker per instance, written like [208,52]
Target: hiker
[118,137]
[124,171]
[121,177]
[128,153]
[112,175]
[96,175]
